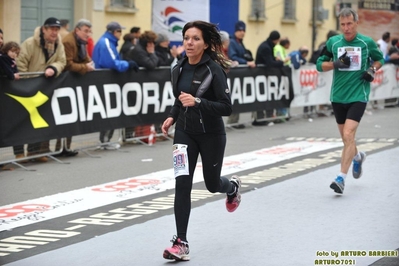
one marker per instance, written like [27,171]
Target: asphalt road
[288,215]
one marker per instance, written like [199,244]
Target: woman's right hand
[166,125]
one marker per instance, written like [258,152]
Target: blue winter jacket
[236,51]
[105,54]
[296,59]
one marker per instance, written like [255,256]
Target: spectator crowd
[54,48]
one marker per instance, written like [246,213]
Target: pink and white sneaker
[233,201]
[178,251]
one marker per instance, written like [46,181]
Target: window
[320,12]
[290,9]
[122,6]
[257,10]
[122,3]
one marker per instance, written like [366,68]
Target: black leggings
[211,147]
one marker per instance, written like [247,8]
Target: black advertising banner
[38,109]
[259,88]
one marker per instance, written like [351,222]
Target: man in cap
[105,55]
[43,52]
[238,52]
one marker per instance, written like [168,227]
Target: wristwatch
[197,101]
[374,68]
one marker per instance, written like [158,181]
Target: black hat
[240,25]
[274,35]
[52,22]
[134,30]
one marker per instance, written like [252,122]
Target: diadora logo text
[117,101]
[259,88]
[31,104]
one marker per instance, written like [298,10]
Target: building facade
[304,22]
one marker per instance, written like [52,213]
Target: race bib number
[355,54]
[180,160]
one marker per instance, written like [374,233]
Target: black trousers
[211,148]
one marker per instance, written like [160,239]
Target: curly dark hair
[146,37]
[211,35]
[10,46]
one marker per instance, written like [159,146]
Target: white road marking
[53,206]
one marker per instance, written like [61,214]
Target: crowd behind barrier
[81,106]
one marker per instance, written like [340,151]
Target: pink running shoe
[233,201]
[178,251]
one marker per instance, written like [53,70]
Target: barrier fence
[39,109]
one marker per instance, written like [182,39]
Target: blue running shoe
[357,166]
[338,185]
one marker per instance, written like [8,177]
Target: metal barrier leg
[23,167]
[89,154]
[57,160]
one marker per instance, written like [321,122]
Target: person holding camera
[348,55]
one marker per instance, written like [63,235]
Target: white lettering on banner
[251,89]
[115,101]
[64,118]
[132,87]
[94,104]
[284,87]
[108,90]
[248,90]
[235,90]
[273,86]
[259,81]
[167,97]
[148,99]
[80,98]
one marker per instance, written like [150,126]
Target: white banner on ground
[169,17]
[313,88]
[61,204]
